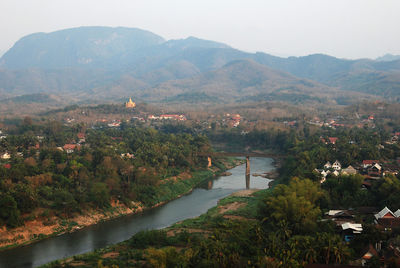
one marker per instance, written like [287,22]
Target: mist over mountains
[98,64]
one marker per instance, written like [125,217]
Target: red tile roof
[370,162]
[69,146]
[332,140]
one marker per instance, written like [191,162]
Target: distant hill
[388,57]
[28,81]
[32,98]
[95,64]
[84,46]
[29,104]
[244,80]
[385,84]
[192,97]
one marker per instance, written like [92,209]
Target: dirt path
[245,192]
[231,206]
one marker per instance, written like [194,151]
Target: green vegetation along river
[110,232]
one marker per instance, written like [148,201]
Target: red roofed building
[368,163]
[332,140]
[385,213]
[81,137]
[37,146]
[236,117]
[7,166]
[70,148]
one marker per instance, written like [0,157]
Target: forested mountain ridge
[246,80]
[102,60]
[82,46]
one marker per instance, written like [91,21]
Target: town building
[70,148]
[369,163]
[337,166]
[5,156]
[349,171]
[385,213]
[328,165]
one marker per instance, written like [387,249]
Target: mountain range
[98,64]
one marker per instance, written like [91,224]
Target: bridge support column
[247,172]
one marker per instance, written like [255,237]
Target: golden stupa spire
[130,104]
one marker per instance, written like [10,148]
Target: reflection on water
[117,230]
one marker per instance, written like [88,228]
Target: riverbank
[177,241]
[42,227]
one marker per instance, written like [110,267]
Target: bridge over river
[239,154]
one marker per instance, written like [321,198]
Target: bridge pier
[209,161]
[247,154]
[247,172]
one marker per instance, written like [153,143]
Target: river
[113,231]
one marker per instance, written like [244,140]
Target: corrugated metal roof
[357,227]
[397,213]
[383,212]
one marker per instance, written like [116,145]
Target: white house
[337,166]
[5,156]
[325,173]
[327,165]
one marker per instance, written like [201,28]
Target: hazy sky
[342,28]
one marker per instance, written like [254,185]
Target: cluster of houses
[232,120]
[6,155]
[349,228]
[69,148]
[178,117]
[339,121]
[114,123]
[335,169]
[370,169]
[137,118]
[394,139]
[332,123]
[290,123]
